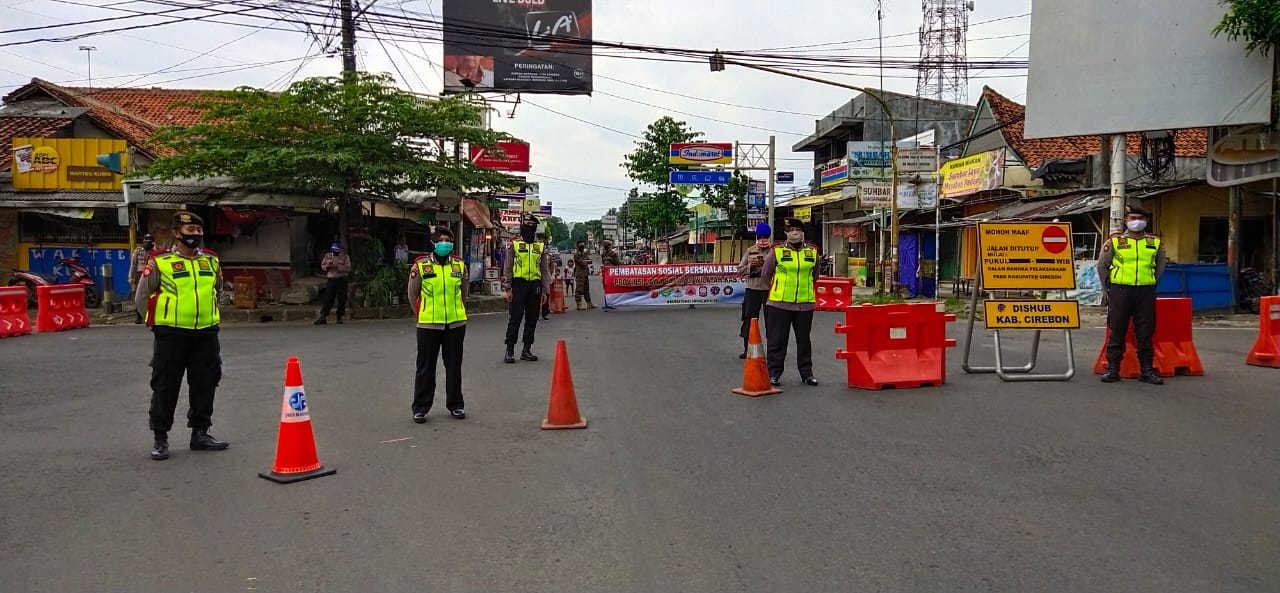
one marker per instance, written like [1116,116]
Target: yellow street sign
[1026,256]
[802,212]
[1032,314]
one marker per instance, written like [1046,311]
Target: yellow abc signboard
[64,163]
[1032,314]
[1026,256]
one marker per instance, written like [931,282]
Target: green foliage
[648,163]
[368,255]
[387,283]
[329,136]
[558,230]
[579,232]
[881,298]
[662,213]
[1256,21]
[733,199]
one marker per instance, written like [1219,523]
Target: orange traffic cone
[562,410]
[1266,349]
[755,373]
[296,458]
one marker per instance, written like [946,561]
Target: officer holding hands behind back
[438,288]
[178,289]
[1129,266]
[526,279]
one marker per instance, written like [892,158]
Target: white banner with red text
[672,284]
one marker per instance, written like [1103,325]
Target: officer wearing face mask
[526,277]
[178,290]
[438,288]
[1129,266]
[751,269]
[791,270]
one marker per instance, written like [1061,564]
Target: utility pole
[1117,182]
[773,177]
[348,70]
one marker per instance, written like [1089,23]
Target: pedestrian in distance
[751,268]
[178,289]
[568,277]
[438,288]
[791,270]
[1130,265]
[581,277]
[139,261]
[526,280]
[336,266]
[608,257]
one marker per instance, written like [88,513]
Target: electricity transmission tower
[943,69]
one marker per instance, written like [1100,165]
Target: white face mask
[795,236]
[1136,226]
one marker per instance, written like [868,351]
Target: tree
[648,164]
[732,198]
[356,136]
[1256,21]
[558,231]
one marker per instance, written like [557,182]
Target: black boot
[526,355]
[1151,377]
[321,321]
[1112,373]
[160,450]
[510,356]
[201,440]
[339,320]
[744,350]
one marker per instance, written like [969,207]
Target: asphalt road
[676,485]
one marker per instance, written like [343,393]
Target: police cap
[182,217]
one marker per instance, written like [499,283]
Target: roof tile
[27,127]
[1191,142]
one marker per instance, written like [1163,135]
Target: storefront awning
[814,200]
[477,213]
[238,199]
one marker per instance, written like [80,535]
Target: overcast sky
[563,148]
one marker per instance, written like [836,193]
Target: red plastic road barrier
[1175,351]
[900,345]
[13,312]
[60,307]
[834,293]
[1266,350]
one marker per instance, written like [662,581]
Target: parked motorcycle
[75,273]
[1253,286]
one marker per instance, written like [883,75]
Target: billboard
[972,174]
[672,284]
[540,46]
[64,163]
[1109,67]
[701,153]
[869,159]
[514,157]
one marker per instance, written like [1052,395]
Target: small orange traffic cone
[1266,349]
[296,458]
[562,410]
[755,373]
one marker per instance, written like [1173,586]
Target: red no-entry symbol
[1054,239]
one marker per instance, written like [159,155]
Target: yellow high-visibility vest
[441,301]
[187,297]
[793,275]
[1133,261]
[527,257]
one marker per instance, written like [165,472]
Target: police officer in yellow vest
[438,288]
[1129,266]
[526,278]
[791,269]
[178,290]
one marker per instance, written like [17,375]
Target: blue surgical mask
[444,248]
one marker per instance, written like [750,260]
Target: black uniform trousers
[778,323]
[752,301]
[526,302]
[195,352]
[1126,303]
[334,288]
[434,344]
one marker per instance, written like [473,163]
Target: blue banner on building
[47,260]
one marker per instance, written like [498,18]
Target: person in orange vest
[1129,267]
[178,289]
[791,269]
[438,289]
